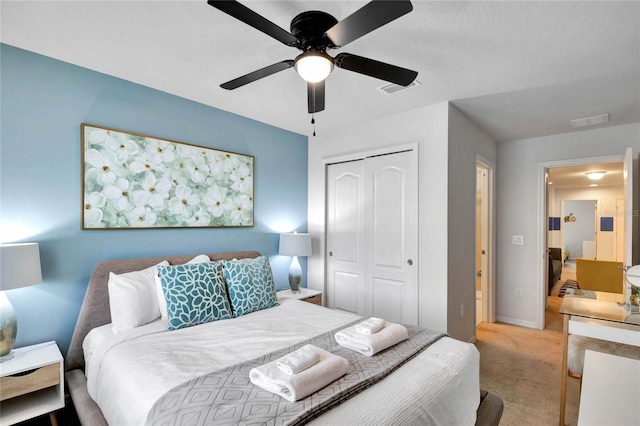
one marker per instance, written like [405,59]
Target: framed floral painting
[137,181]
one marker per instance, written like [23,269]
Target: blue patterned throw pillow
[250,284]
[195,293]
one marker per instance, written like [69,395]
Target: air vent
[590,121]
[392,89]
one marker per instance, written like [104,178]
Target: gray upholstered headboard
[95,308]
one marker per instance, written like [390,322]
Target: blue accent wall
[43,103]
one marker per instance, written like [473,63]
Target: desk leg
[565,372]
[53,418]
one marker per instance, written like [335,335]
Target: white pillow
[162,301]
[132,298]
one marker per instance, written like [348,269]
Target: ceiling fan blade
[377,69]
[370,17]
[257,75]
[249,17]
[315,96]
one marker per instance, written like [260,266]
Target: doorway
[484,242]
[567,180]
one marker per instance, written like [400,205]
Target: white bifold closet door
[372,236]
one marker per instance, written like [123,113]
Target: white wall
[465,141]
[606,197]
[439,287]
[519,214]
[427,127]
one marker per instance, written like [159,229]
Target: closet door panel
[344,236]
[391,237]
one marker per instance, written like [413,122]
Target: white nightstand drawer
[29,381]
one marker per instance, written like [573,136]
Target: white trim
[518,322]
[542,221]
[489,293]
[361,155]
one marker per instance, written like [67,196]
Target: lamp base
[8,328]
[295,275]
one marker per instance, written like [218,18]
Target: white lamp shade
[295,244]
[19,265]
[314,65]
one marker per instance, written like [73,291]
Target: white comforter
[128,372]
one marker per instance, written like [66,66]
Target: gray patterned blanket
[227,397]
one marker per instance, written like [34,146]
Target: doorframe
[488,287]
[543,221]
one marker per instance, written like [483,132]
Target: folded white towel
[299,360]
[371,344]
[370,326]
[294,387]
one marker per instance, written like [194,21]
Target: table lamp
[295,245]
[19,267]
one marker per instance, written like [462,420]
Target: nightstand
[31,384]
[305,294]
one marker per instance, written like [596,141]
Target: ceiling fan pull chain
[313,121]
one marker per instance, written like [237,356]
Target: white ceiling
[518,69]
[575,176]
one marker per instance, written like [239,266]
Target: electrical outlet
[519,292]
[517,240]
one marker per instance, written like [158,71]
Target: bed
[120,379]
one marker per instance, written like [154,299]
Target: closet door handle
[409,262]
[330,253]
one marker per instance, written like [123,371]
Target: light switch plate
[517,240]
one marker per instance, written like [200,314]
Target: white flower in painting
[227,161]
[182,201]
[93,209]
[118,194]
[114,218]
[122,149]
[216,169]
[177,177]
[165,151]
[105,162]
[241,180]
[239,208]
[142,217]
[198,169]
[153,193]
[147,163]
[100,137]
[199,218]
[214,199]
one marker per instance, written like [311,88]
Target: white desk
[598,316]
[610,386]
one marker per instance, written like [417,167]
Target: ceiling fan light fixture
[314,65]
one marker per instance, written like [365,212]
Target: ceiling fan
[314,32]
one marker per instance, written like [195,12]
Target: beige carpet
[523,366]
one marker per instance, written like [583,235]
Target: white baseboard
[518,322]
